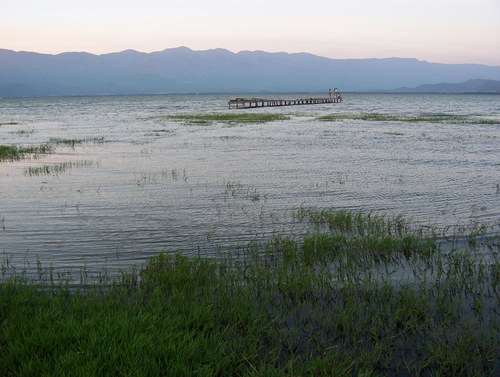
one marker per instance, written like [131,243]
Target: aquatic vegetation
[9,152]
[354,222]
[237,190]
[12,152]
[162,177]
[58,169]
[427,118]
[73,142]
[289,307]
[230,118]
[26,132]
[382,237]
[160,132]
[230,138]
[232,188]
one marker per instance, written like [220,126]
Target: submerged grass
[236,190]
[231,118]
[427,118]
[15,152]
[72,142]
[57,169]
[325,306]
[12,152]
[26,132]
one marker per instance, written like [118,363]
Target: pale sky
[449,31]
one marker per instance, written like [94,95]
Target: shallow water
[158,184]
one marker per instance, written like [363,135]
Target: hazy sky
[457,31]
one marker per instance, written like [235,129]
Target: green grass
[12,152]
[325,305]
[426,118]
[228,118]
[9,152]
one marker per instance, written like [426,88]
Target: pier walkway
[250,103]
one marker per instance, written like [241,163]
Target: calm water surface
[157,184]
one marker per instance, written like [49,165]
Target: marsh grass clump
[57,169]
[350,222]
[308,307]
[369,234]
[237,190]
[13,152]
[36,149]
[26,132]
[228,118]
[9,152]
[424,118]
[232,188]
[73,142]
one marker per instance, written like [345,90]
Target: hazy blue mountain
[181,70]
[469,86]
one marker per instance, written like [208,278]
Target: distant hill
[182,70]
[469,86]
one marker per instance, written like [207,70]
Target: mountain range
[182,70]
[469,86]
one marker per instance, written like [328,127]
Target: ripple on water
[163,186]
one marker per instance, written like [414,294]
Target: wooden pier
[251,103]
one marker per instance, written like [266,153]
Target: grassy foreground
[360,296]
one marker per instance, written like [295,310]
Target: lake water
[159,184]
